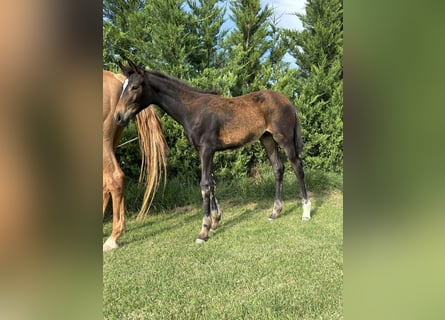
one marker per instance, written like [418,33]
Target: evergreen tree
[319,54]
[207,19]
[281,76]
[248,44]
[169,26]
[184,38]
[154,33]
[124,31]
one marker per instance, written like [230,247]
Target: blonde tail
[153,151]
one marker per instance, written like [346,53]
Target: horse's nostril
[118,118]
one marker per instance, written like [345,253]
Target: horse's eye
[134,88]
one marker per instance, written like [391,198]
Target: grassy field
[250,268]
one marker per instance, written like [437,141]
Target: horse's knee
[117,183]
[119,176]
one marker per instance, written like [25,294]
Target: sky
[284,9]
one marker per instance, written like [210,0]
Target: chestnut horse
[153,150]
[214,123]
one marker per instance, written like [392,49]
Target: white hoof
[306,210]
[110,244]
[200,241]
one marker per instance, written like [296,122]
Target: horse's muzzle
[120,119]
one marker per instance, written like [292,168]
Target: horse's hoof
[272,217]
[306,210]
[201,241]
[109,245]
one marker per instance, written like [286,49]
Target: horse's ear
[126,70]
[121,66]
[135,68]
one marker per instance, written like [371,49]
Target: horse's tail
[298,136]
[153,151]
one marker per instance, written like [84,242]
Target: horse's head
[132,98]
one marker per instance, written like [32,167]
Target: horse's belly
[242,131]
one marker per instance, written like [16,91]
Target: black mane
[179,83]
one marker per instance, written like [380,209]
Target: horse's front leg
[115,185]
[206,192]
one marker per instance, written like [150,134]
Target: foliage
[207,19]
[248,43]
[125,32]
[187,39]
[319,54]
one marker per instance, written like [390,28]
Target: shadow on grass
[154,227]
[245,214]
[241,192]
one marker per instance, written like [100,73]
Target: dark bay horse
[214,123]
[153,150]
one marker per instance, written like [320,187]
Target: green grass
[250,268]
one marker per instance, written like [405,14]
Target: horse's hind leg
[278,169]
[214,207]
[297,165]
[207,191]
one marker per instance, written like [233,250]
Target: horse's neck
[173,107]
[169,99]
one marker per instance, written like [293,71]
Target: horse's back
[266,103]
[272,99]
